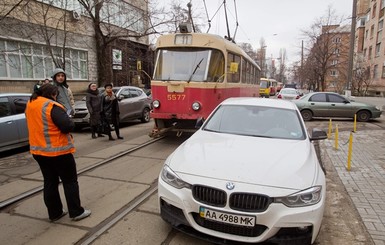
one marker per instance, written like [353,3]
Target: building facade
[38,36]
[369,62]
[337,58]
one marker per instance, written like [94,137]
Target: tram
[193,73]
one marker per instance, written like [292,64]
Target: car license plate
[228,218]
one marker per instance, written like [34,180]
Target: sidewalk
[365,182]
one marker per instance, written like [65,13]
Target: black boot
[93,135]
[118,132]
[110,137]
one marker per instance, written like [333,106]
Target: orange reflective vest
[45,138]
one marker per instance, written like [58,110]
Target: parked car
[133,104]
[229,181]
[290,85]
[288,94]
[328,104]
[13,125]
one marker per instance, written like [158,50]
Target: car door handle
[311,103]
[333,104]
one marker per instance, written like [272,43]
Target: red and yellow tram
[194,72]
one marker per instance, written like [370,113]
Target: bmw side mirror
[318,134]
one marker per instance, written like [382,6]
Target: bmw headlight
[171,178]
[306,197]
[156,103]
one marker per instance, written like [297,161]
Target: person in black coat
[93,103]
[110,110]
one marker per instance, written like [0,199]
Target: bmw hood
[259,161]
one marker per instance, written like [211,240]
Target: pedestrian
[47,80]
[52,146]
[59,78]
[37,86]
[110,110]
[94,105]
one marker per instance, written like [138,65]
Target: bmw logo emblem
[230,185]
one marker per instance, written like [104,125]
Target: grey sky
[279,22]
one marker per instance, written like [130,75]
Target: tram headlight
[196,106]
[156,103]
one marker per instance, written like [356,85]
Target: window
[374,9]
[333,73]
[370,52]
[383,71]
[336,51]
[5,107]
[318,98]
[371,31]
[34,61]
[335,98]
[20,104]
[378,48]
[336,40]
[375,71]
[334,62]
[233,77]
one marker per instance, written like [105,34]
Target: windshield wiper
[196,68]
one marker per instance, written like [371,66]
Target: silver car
[133,104]
[13,126]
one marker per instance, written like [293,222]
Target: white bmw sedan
[249,174]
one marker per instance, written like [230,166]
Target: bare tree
[248,48]
[362,78]
[20,20]
[322,48]
[281,76]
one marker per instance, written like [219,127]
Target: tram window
[193,67]
[216,67]
[233,77]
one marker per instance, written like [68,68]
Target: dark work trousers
[63,167]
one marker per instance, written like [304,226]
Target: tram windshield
[189,64]
[264,84]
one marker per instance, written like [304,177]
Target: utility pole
[351,47]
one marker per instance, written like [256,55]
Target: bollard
[336,138]
[350,150]
[355,123]
[330,129]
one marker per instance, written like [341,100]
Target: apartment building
[370,46]
[37,36]
[337,39]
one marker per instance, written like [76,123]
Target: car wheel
[363,116]
[145,115]
[306,115]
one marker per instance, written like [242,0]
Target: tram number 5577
[176,96]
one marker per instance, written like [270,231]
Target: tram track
[21,197]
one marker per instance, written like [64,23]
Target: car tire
[307,115]
[145,115]
[363,116]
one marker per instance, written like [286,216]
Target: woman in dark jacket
[93,102]
[110,109]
